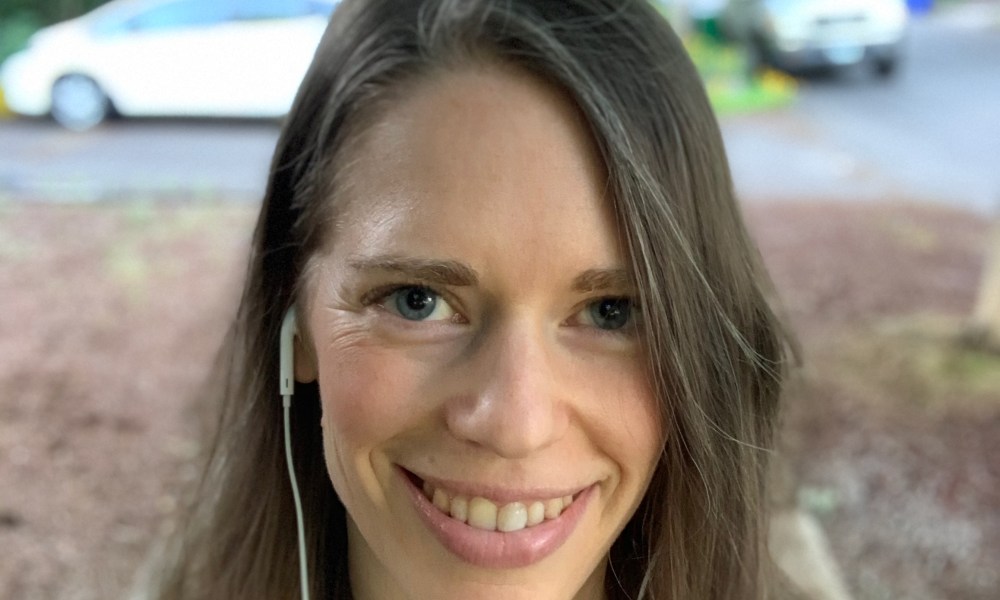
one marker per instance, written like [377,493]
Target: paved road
[39,160]
[931,134]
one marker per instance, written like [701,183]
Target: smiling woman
[470,374]
[534,357]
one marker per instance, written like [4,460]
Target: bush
[19,19]
[15,31]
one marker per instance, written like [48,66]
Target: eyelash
[380,294]
[626,331]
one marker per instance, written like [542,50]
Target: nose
[512,404]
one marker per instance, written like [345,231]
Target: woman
[534,357]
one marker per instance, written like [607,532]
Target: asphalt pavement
[40,161]
[932,133]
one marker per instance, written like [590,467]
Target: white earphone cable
[303,570]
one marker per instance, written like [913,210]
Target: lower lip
[494,549]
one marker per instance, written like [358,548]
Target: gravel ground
[111,314]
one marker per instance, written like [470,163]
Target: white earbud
[289,330]
[286,387]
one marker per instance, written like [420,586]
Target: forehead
[478,160]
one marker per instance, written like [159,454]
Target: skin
[509,383]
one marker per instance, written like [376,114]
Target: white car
[230,58]
[802,34]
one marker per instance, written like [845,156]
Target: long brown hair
[715,351]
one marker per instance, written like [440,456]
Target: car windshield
[121,17]
[282,9]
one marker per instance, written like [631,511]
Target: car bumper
[810,57]
[26,87]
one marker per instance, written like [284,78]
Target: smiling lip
[494,549]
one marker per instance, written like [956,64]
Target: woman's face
[486,417]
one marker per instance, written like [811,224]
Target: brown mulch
[892,427]
[110,315]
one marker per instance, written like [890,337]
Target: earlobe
[305,362]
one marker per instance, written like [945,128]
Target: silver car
[796,35]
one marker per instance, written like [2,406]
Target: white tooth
[536,513]
[512,517]
[428,490]
[553,508]
[441,500]
[482,514]
[567,500]
[460,508]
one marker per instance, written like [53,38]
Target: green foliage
[19,19]
[15,31]
[48,12]
[731,86]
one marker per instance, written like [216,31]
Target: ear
[306,370]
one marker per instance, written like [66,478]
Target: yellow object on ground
[4,111]
[731,86]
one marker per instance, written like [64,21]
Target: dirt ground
[109,316]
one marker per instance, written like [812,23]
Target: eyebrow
[603,280]
[455,273]
[440,272]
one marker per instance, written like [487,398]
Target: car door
[272,42]
[168,58]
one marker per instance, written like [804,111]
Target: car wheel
[884,67]
[79,103]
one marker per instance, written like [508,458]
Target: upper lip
[498,493]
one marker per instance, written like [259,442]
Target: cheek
[367,399]
[625,418]
[645,433]
[644,418]
[367,394]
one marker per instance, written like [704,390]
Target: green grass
[918,360]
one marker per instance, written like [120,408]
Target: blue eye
[418,303]
[610,313]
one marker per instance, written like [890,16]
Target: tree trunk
[984,329]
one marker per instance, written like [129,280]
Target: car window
[282,9]
[181,14]
[322,7]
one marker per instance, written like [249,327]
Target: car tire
[884,68]
[79,103]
